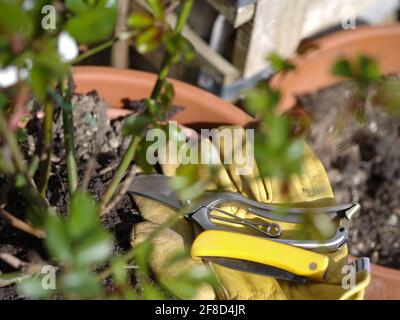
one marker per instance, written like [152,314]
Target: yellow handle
[216,243]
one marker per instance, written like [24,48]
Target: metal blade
[256,268]
[155,187]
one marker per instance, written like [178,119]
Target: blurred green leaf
[80,284]
[388,96]
[21,135]
[119,271]
[33,288]
[140,20]
[181,289]
[57,240]
[3,101]
[167,94]
[369,69]
[176,256]
[156,7]
[187,49]
[136,124]
[148,40]
[142,256]
[77,6]
[141,157]
[362,69]
[92,26]
[279,63]
[83,216]
[13,19]
[151,292]
[262,100]
[342,68]
[96,248]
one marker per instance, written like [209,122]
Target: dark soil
[363,164]
[95,136]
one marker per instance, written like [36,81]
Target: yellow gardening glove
[310,189]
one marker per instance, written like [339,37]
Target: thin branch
[21,225]
[12,261]
[167,60]
[19,107]
[120,50]
[45,158]
[28,187]
[12,278]
[94,50]
[119,195]
[88,173]
[121,170]
[69,144]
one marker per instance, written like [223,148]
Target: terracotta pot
[313,69]
[114,85]
[201,108]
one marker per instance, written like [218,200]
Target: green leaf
[3,100]
[187,49]
[388,96]
[181,289]
[151,292]
[94,249]
[141,157]
[83,217]
[33,288]
[140,20]
[21,135]
[92,26]
[262,100]
[39,81]
[148,40]
[369,68]
[142,256]
[135,125]
[279,63]
[13,19]
[77,6]
[80,284]
[119,271]
[167,94]
[342,68]
[57,239]
[156,7]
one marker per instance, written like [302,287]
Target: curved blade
[156,187]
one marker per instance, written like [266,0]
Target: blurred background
[233,37]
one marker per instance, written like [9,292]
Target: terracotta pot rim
[312,71]
[122,83]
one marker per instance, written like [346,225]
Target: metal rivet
[312,266]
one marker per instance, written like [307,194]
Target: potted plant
[364,56]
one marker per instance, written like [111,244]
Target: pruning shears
[267,253]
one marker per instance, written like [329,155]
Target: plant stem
[28,188]
[21,225]
[119,174]
[162,75]
[45,157]
[167,61]
[94,50]
[68,125]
